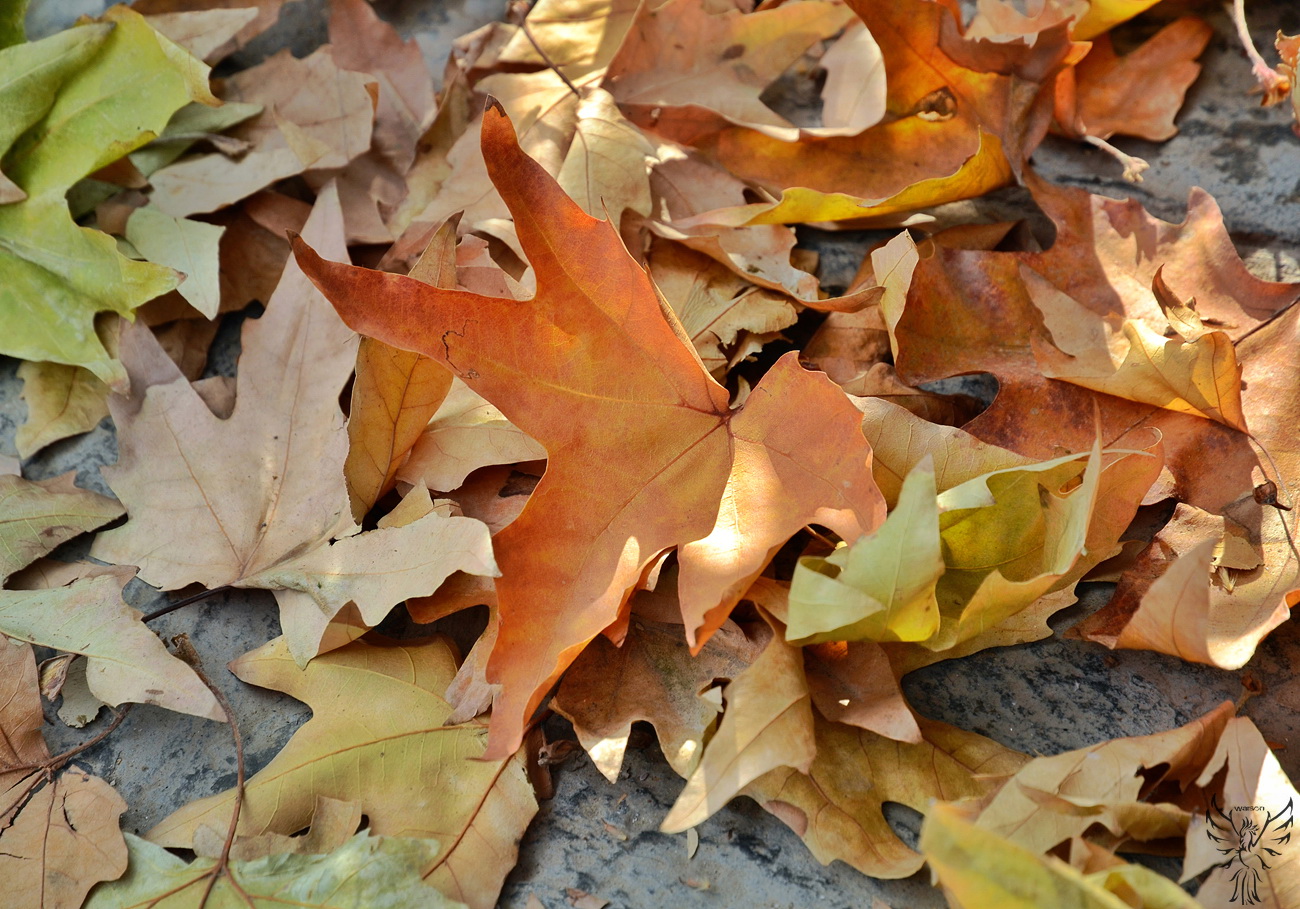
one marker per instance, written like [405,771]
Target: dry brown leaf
[768,724]
[836,807]
[378,734]
[286,525]
[651,676]
[853,684]
[316,116]
[267,12]
[62,401]
[58,836]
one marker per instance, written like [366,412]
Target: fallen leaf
[980,870]
[208,34]
[1250,822]
[287,525]
[651,677]
[80,706]
[377,735]
[333,823]
[1137,94]
[605,170]
[315,116]
[35,518]
[853,684]
[578,36]
[882,587]
[190,247]
[836,807]
[768,724]
[1052,799]
[395,394]
[669,494]
[367,870]
[58,834]
[266,14]
[62,401]
[88,96]
[126,661]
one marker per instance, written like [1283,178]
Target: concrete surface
[1043,698]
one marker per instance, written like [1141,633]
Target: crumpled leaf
[378,735]
[365,871]
[680,55]
[1134,362]
[1052,799]
[954,129]
[286,525]
[836,808]
[1255,790]
[980,870]
[651,676]
[61,400]
[36,517]
[882,587]
[58,836]
[591,376]
[768,724]
[315,115]
[1137,94]
[721,312]
[85,98]
[127,661]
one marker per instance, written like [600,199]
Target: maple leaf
[679,55]
[35,518]
[286,524]
[594,369]
[1052,799]
[836,807]
[61,401]
[378,734]
[364,871]
[768,724]
[956,127]
[58,834]
[651,676]
[75,102]
[980,870]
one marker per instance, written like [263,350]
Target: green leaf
[375,872]
[881,588]
[13,14]
[81,100]
[190,247]
[190,124]
[980,870]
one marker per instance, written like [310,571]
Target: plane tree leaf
[364,871]
[979,870]
[59,832]
[836,807]
[35,518]
[592,376]
[286,525]
[127,661]
[377,735]
[79,100]
[61,400]
[768,724]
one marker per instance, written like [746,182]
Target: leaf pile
[590,380]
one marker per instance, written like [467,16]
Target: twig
[57,762]
[546,58]
[1274,84]
[186,652]
[180,604]
[1133,166]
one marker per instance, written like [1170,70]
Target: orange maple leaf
[645,453]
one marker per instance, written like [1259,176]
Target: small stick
[1133,167]
[546,58]
[180,604]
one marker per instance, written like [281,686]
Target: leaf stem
[180,604]
[546,58]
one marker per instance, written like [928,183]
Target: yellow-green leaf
[882,587]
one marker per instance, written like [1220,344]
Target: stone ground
[1043,698]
